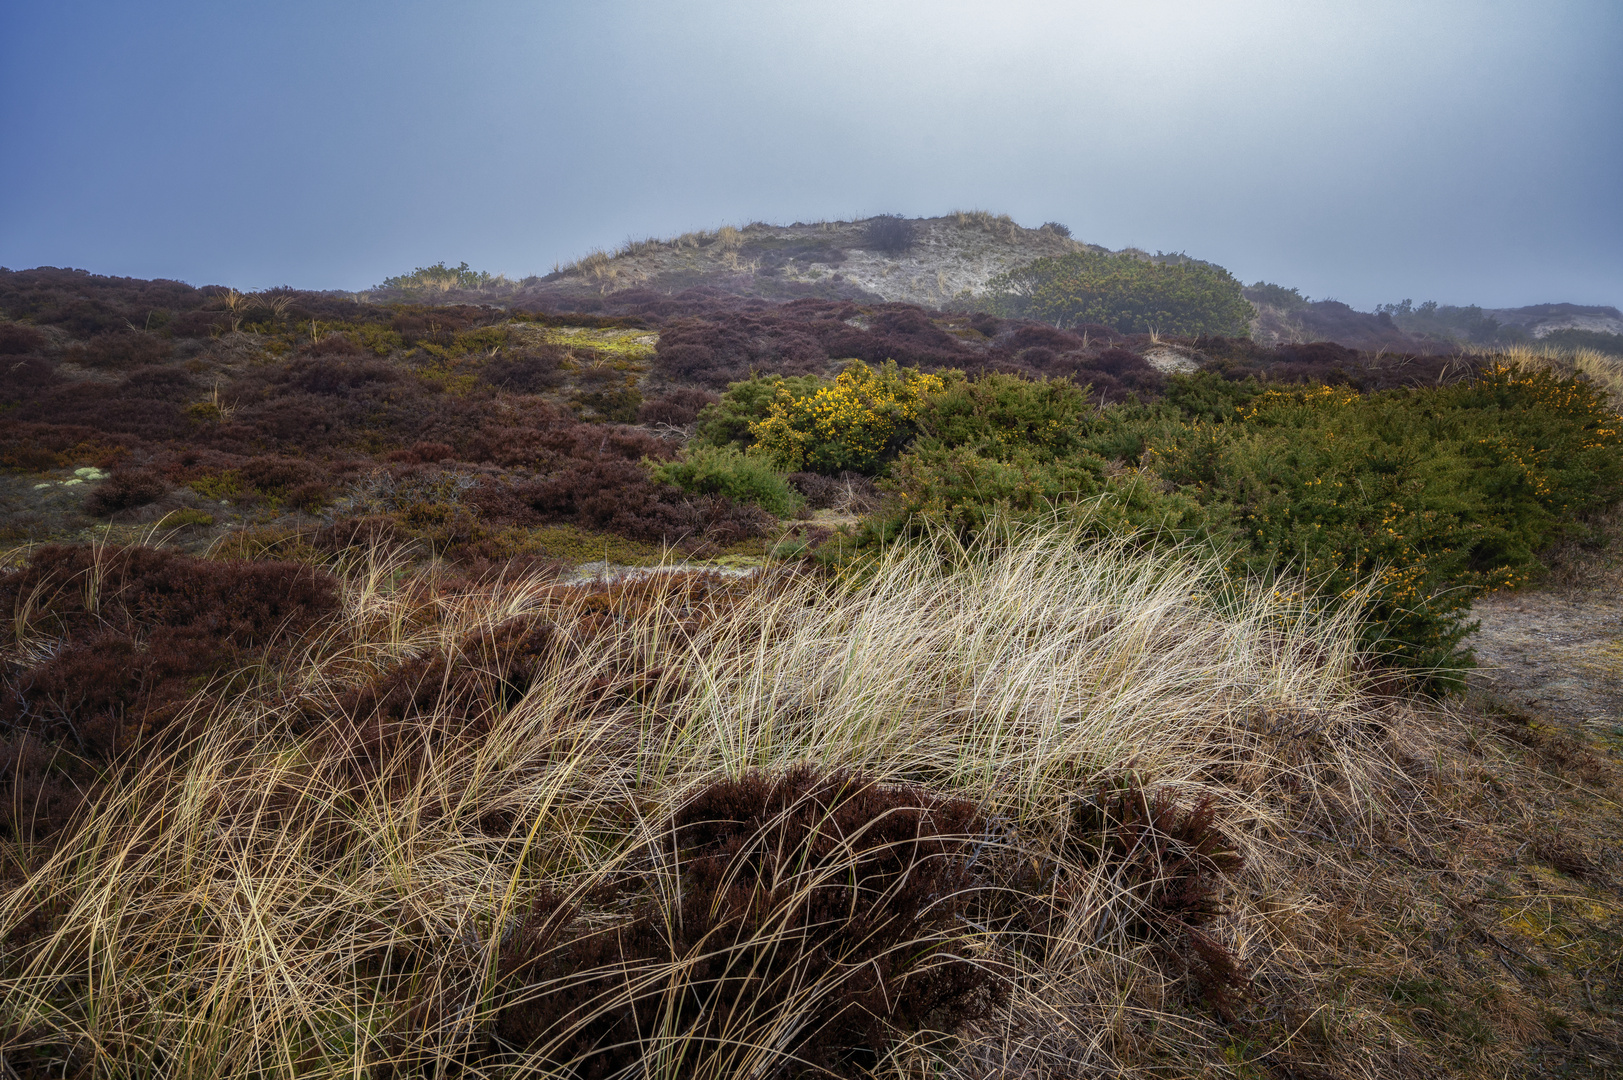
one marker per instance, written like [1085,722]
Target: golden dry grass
[221,911]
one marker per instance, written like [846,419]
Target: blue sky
[1369,151]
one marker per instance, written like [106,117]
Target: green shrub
[1426,497]
[727,422]
[438,278]
[1131,293]
[1001,413]
[1406,502]
[962,490]
[709,470]
[1266,292]
[1574,339]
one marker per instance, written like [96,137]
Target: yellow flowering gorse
[855,423]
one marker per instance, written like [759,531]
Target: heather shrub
[676,408]
[26,378]
[1170,860]
[724,471]
[125,489]
[534,370]
[816,918]
[1132,294]
[19,339]
[123,349]
[135,632]
[619,496]
[607,396]
[857,423]
[334,345]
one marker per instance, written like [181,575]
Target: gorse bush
[727,422]
[1405,502]
[857,423]
[1132,294]
[1430,495]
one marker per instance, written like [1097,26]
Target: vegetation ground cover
[1073,727]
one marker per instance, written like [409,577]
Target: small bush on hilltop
[858,423]
[1132,294]
[889,233]
[438,278]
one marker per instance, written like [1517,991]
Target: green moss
[635,346]
[225,485]
[572,544]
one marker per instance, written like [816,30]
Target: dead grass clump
[848,493]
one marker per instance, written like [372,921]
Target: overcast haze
[1464,152]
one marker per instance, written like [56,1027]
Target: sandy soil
[1558,652]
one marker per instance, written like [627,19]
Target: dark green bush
[1129,292]
[1000,413]
[1573,338]
[1426,496]
[1266,292]
[1409,502]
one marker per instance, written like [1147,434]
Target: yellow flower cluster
[850,424]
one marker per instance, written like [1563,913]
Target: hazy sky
[1365,151]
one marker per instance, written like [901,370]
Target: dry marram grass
[300,894]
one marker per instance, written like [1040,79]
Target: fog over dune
[1468,152]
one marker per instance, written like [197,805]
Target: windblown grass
[1606,372]
[329,881]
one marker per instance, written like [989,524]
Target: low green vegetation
[746,402]
[706,470]
[1407,502]
[1126,291]
[1404,503]
[1573,339]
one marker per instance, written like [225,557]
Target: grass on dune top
[342,809]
